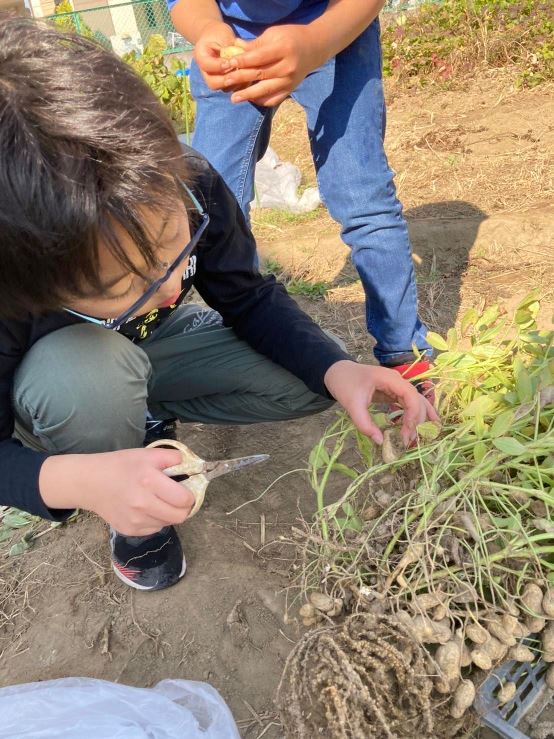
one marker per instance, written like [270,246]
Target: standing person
[326,55]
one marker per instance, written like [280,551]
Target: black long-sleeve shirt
[257,308]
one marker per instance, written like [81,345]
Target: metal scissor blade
[215,469]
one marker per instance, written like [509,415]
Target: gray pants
[86,389]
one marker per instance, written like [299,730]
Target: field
[475,177]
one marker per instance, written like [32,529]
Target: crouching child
[106,223]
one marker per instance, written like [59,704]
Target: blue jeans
[345,109]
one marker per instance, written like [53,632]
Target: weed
[295,285]
[309,289]
[20,530]
[274,218]
[438,42]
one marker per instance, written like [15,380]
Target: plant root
[364,679]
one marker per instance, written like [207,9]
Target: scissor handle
[191,465]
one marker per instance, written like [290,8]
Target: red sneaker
[410,372]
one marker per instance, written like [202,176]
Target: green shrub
[170,83]
[71,23]
[440,41]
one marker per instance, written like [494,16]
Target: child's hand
[276,62]
[355,386]
[214,37]
[126,488]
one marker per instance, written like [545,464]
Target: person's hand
[355,386]
[126,488]
[214,37]
[272,65]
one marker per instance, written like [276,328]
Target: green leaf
[380,419]
[16,520]
[344,470]
[524,386]
[491,332]
[510,523]
[479,426]
[531,297]
[365,447]
[502,424]
[452,339]
[319,457]
[460,360]
[347,508]
[488,317]
[482,405]
[526,314]
[487,351]
[428,430]
[352,524]
[5,533]
[469,318]
[18,548]
[479,451]
[436,341]
[507,445]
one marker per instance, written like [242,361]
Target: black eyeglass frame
[115,323]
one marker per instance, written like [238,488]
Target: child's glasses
[115,323]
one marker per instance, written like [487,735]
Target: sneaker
[425,386]
[151,562]
[160,430]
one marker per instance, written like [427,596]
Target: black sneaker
[160,430]
[150,562]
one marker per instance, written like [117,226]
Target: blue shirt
[249,18]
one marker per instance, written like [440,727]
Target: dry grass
[497,156]
[487,144]
[17,591]
[472,156]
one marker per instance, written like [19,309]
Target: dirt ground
[474,175]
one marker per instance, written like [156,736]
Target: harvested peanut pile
[364,679]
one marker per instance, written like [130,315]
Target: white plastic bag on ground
[276,186]
[78,707]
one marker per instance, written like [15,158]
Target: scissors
[196,473]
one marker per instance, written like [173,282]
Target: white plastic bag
[78,707]
[276,186]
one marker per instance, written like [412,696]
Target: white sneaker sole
[136,586]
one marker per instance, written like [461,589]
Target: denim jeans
[345,110]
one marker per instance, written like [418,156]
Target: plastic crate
[532,695]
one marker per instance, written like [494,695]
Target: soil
[474,176]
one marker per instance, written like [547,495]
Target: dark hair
[84,143]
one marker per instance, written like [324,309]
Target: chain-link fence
[125,27]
